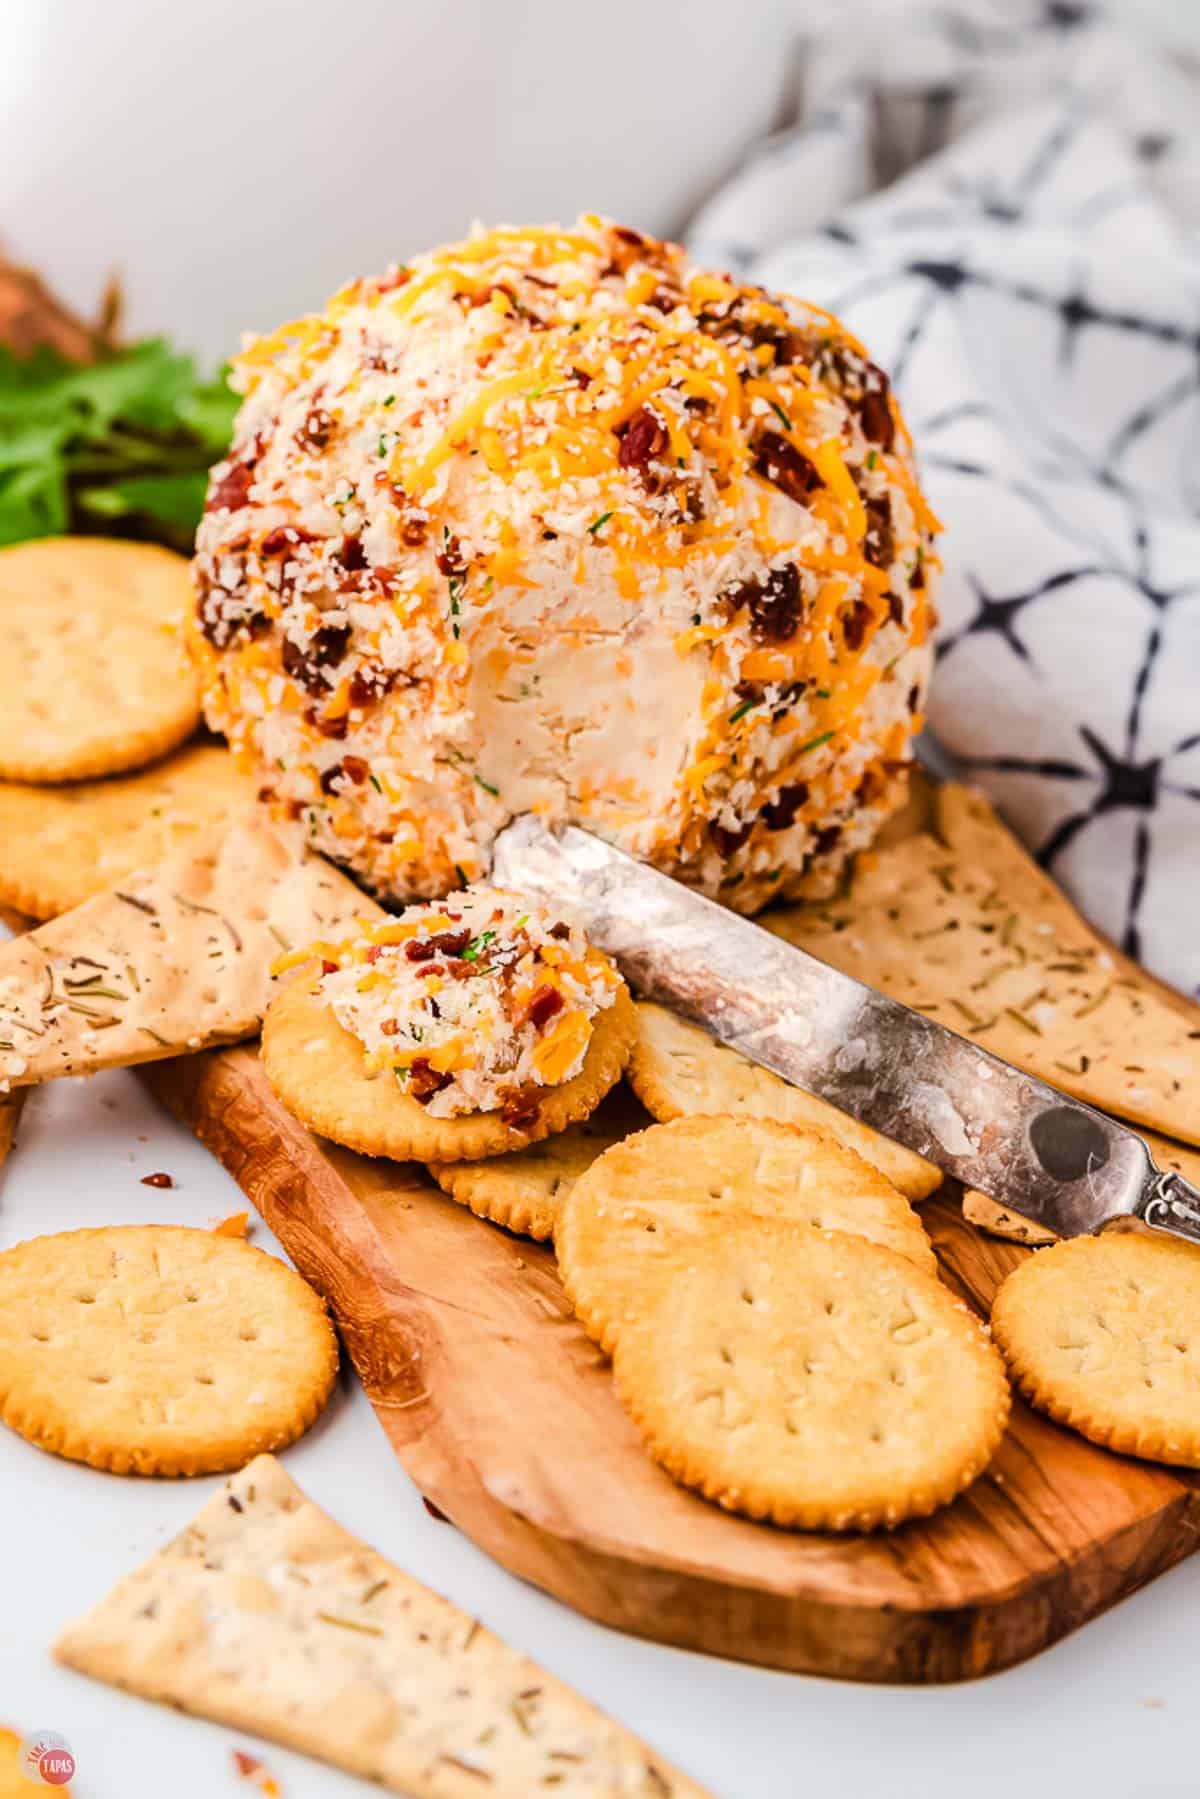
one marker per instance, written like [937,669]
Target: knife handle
[1170,1203]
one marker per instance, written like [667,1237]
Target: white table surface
[1111,1710]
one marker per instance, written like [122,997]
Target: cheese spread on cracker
[471,1004]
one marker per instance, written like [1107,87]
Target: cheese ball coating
[552,520]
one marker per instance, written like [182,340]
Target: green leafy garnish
[471,953]
[122,445]
[741,711]
[785,420]
[814,743]
[487,787]
[597,522]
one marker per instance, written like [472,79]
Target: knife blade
[976,1117]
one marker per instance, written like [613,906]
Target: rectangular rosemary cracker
[266,1615]
[959,922]
[178,958]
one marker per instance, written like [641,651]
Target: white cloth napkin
[1003,200]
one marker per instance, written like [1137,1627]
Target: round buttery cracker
[158,1349]
[811,1378]
[318,1069]
[526,1191]
[95,677]
[64,844]
[644,1200]
[678,1070]
[1103,1335]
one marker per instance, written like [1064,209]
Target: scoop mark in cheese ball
[553,520]
[472,1005]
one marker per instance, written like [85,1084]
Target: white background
[237,161]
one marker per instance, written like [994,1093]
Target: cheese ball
[552,520]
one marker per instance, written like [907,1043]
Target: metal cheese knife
[976,1117]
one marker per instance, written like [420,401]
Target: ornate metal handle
[1171,1204]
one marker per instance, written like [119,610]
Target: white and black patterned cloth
[1003,200]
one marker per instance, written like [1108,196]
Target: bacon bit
[369,683]
[328,967]
[445,943]
[781,812]
[581,377]
[774,604]
[233,489]
[643,437]
[895,608]
[560,931]
[917,579]
[781,463]
[914,698]
[825,840]
[520,1109]
[424,1081]
[236,1225]
[317,429]
[450,559]
[855,620]
[328,777]
[328,645]
[245,1764]
[351,554]
[874,411]
[157,1180]
[356,769]
[544,1004]
[879,545]
[728,841]
[284,538]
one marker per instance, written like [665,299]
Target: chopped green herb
[872,458]
[374,780]
[597,522]
[776,407]
[390,401]
[741,711]
[472,951]
[814,743]
[487,787]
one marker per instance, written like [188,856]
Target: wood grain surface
[503,1413]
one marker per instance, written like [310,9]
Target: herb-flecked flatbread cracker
[961,924]
[526,1190]
[319,1071]
[62,845]
[677,1070]
[637,1209]
[158,1349]
[177,958]
[810,1377]
[95,676]
[267,1616]
[1102,1334]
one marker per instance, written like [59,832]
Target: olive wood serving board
[503,1413]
